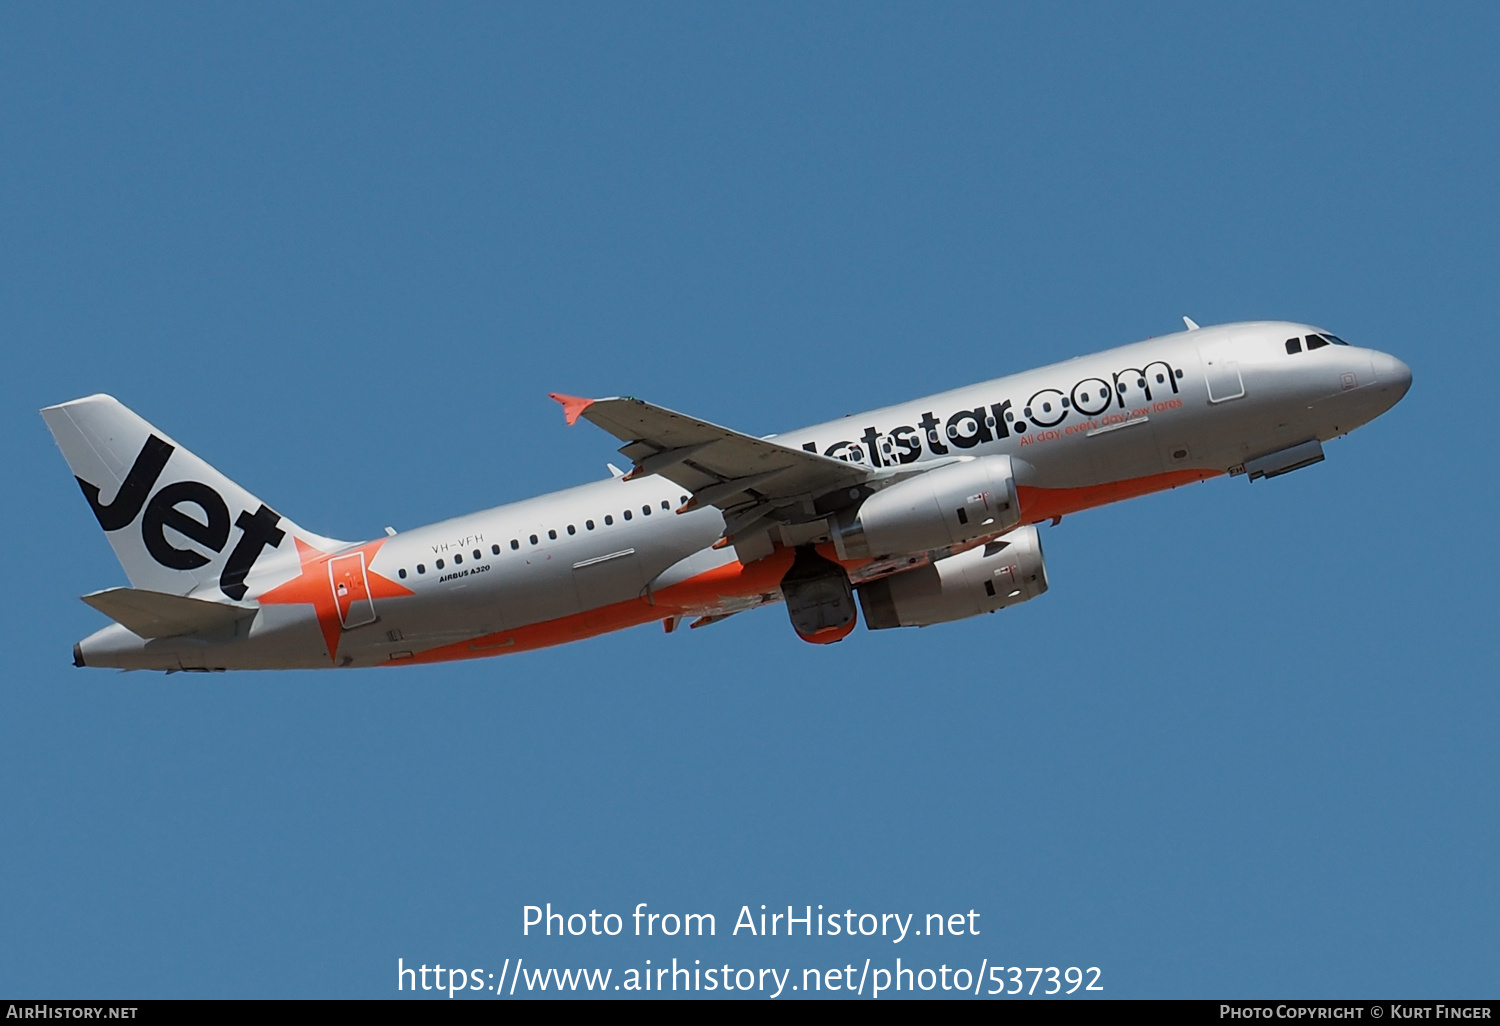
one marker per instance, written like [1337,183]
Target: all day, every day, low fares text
[925,510]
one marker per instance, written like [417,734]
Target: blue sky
[1243,747]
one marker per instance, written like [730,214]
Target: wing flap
[154,614]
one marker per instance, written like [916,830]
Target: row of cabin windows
[515,543]
[1294,345]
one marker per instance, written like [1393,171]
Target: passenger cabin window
[1316,342]
[494,550]
[1293,345]
[646,510]
[572,529]
[477,554]
[627,514]
[514,544]
[401,573]
[421,568]
[589,524]
[458,557]
[533,539]
[665,504]
[552,534]
[608,520]
[439,564]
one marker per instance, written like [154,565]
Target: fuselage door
[1222,372]
[351,590]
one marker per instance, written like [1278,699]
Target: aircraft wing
[751,479]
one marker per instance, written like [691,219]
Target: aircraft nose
[1392,374]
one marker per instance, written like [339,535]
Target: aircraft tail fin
[177,525]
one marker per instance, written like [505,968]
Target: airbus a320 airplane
[926,510]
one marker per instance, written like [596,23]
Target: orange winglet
[573,406]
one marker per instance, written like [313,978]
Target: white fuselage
[613,553]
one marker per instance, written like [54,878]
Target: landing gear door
[351,590]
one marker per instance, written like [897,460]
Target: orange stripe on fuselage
[763,577]
[1039,504]
[706,590]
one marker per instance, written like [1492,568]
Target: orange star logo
[341,588]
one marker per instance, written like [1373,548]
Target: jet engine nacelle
[946,506]
[983,579]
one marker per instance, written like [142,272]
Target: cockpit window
[1293,345]
[1334,339]
[1316,342]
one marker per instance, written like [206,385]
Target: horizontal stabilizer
[153,614]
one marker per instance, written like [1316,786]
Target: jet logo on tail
[258,530]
